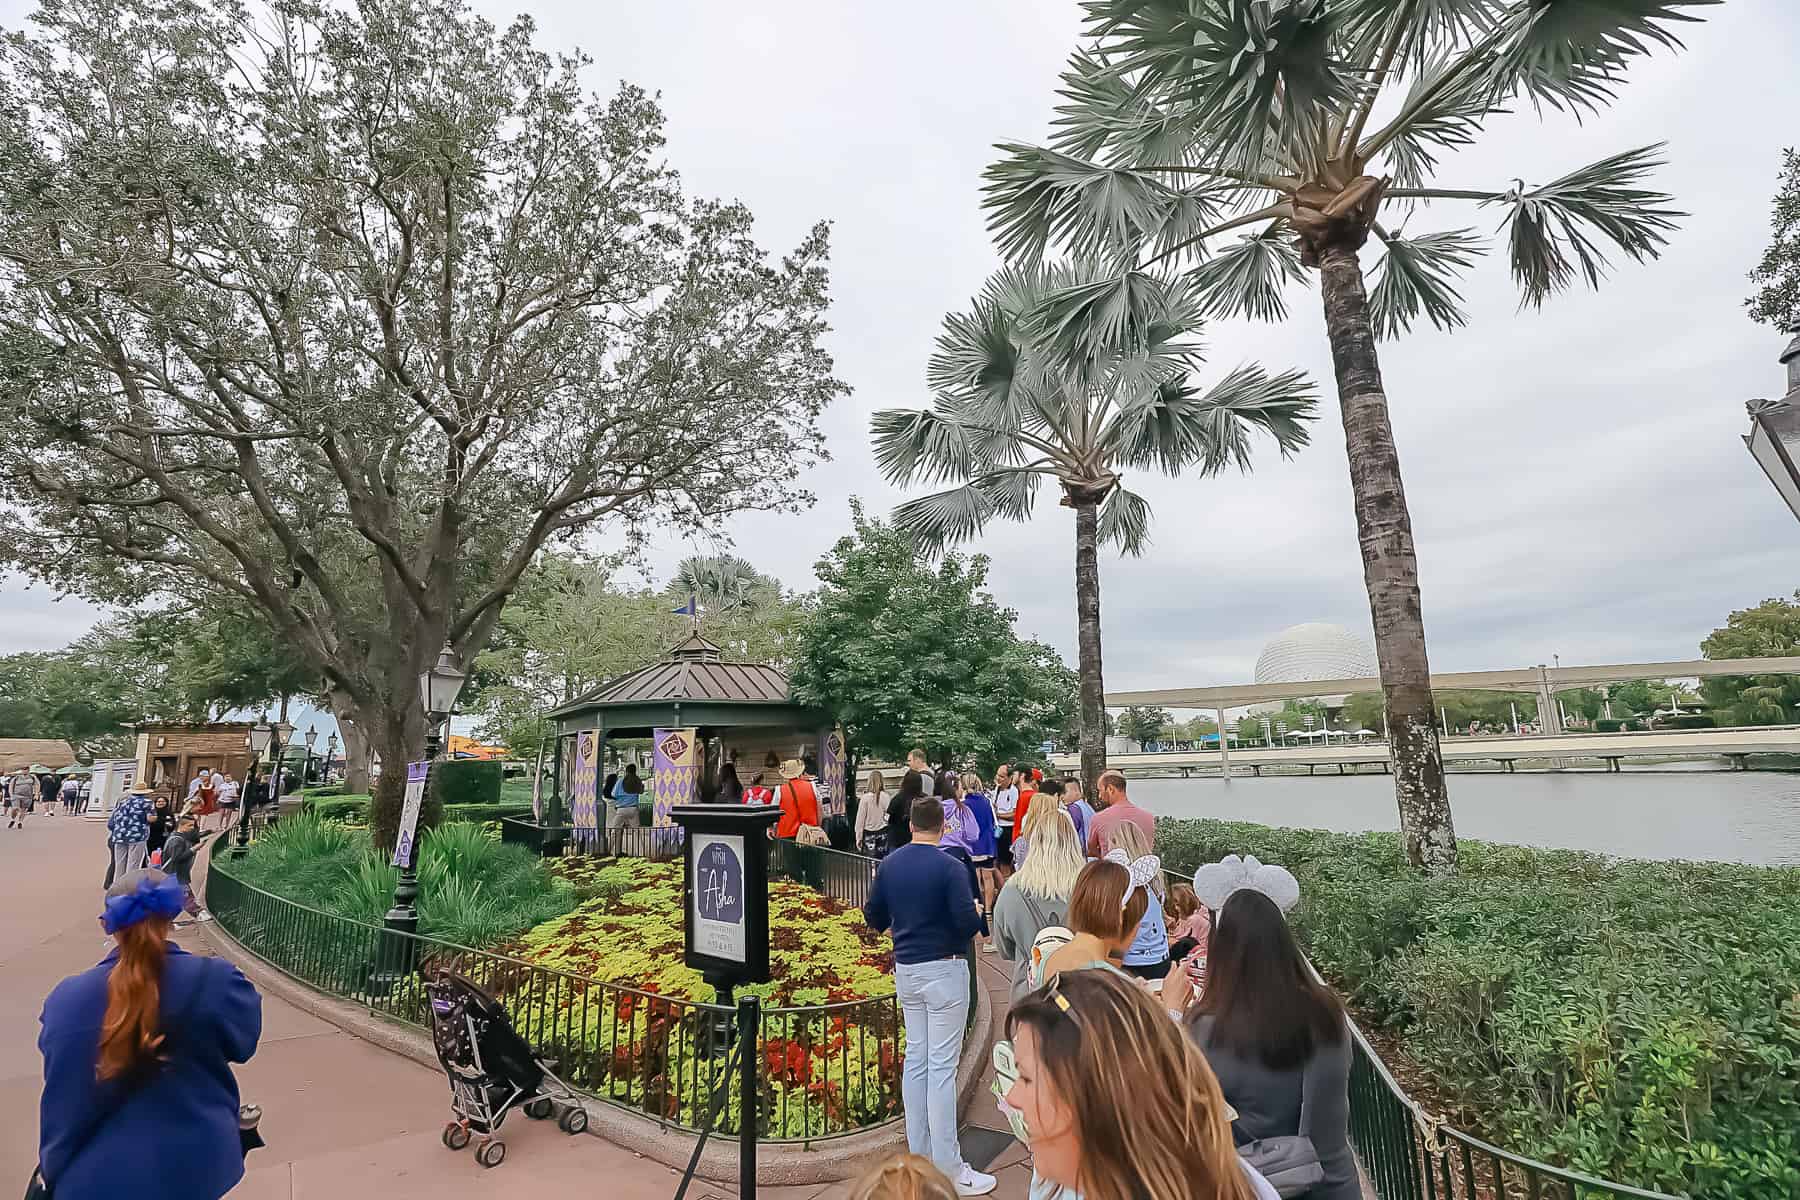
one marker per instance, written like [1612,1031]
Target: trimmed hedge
[1689,721]
[1635,1020]
[460,781]
[355,809]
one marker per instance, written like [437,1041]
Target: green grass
[1639,1021]
[472,890]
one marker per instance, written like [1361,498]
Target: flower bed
[830,1039]
[627,930]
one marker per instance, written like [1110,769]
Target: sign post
[725,935]
[397,951]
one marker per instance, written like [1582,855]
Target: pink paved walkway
[342,1118]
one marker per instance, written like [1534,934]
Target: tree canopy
[1777,273]
[1769,629]
[911,651]
[349,312]
[1144,724]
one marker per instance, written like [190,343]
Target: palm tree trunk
[1390,568]
[1087,637]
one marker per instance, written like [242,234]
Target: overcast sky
[1577,480]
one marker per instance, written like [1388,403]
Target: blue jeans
[934,996]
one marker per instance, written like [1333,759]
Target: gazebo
[699,710]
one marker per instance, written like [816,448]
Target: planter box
[545,840]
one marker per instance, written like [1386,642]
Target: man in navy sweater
[922,895]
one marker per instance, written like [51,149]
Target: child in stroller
[491,1069]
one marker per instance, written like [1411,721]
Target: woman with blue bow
[139,1099]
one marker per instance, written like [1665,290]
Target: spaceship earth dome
[1315,650]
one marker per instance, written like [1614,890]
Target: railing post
[749,1019]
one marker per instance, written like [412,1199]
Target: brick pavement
[343,1119]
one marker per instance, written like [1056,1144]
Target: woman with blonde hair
[1037,895]
[1117,1102]
[1148,955]
[871,817]
[137,1061]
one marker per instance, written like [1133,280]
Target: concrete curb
[827,1161]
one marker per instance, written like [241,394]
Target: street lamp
[257,742]
[312,735]
[438,688]
[330,756]
[1774,437]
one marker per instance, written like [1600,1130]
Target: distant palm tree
[1184,119]
[1009,414]
[721,582]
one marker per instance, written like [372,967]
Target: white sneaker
[203,916]
[970,1182]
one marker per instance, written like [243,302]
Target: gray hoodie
[1017,919]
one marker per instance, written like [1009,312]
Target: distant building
[1315,650]
[170,755]
[43,752]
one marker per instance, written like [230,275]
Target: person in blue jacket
[139,1099]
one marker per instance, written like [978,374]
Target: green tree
[1777,274]
[1143,724]
[374,303]
[907,651]
[741,609]
[1184,120]
[1770,629]
[1008,415]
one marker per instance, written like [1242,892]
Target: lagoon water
[1670,812]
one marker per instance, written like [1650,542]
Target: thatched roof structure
[23,752]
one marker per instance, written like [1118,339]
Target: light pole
[330,756]
[1774,437]
[438,688]
[257,741]
[312,735]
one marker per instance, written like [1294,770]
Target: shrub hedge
[355,809]
[456,781]
[1635,1020]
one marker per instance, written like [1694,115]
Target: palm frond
[945,518]
[1248,278]
[1415,275]
[919,445]
[1572,53]
[977,358]
[1124,521]
[1011,493]
[1426,28]
[1443,110]
[1556,228]
[1255,71]
[1036,197]
[1090,320]
[1251,399]
[1102,114]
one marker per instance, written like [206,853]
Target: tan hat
[142,789]
[793,768]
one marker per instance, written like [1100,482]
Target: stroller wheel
[455,1136]
[491,1154]
[574,1120]
[539,1109]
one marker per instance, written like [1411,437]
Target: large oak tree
[349,313]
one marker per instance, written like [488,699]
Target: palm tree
[721,582]
[1009,412]
[1296,122]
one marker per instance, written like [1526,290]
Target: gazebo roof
[696,670]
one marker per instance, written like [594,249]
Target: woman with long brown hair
[139,1098]
[1118,1104]
[1277,1039]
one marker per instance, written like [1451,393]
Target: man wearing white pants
[923,895]
[128,829]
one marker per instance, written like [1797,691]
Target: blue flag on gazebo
[690,609]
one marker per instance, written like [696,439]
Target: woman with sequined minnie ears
[137,1061]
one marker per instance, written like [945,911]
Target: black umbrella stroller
[492,1071]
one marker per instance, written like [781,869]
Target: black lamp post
[258,742]
[438,688]
[312,735]
[330,757]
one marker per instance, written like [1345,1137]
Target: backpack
[1049,940]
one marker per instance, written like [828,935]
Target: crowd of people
[25,790]
[1156,1049]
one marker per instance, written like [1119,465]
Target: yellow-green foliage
[823,1070]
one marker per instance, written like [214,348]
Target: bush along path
[1638,1021]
